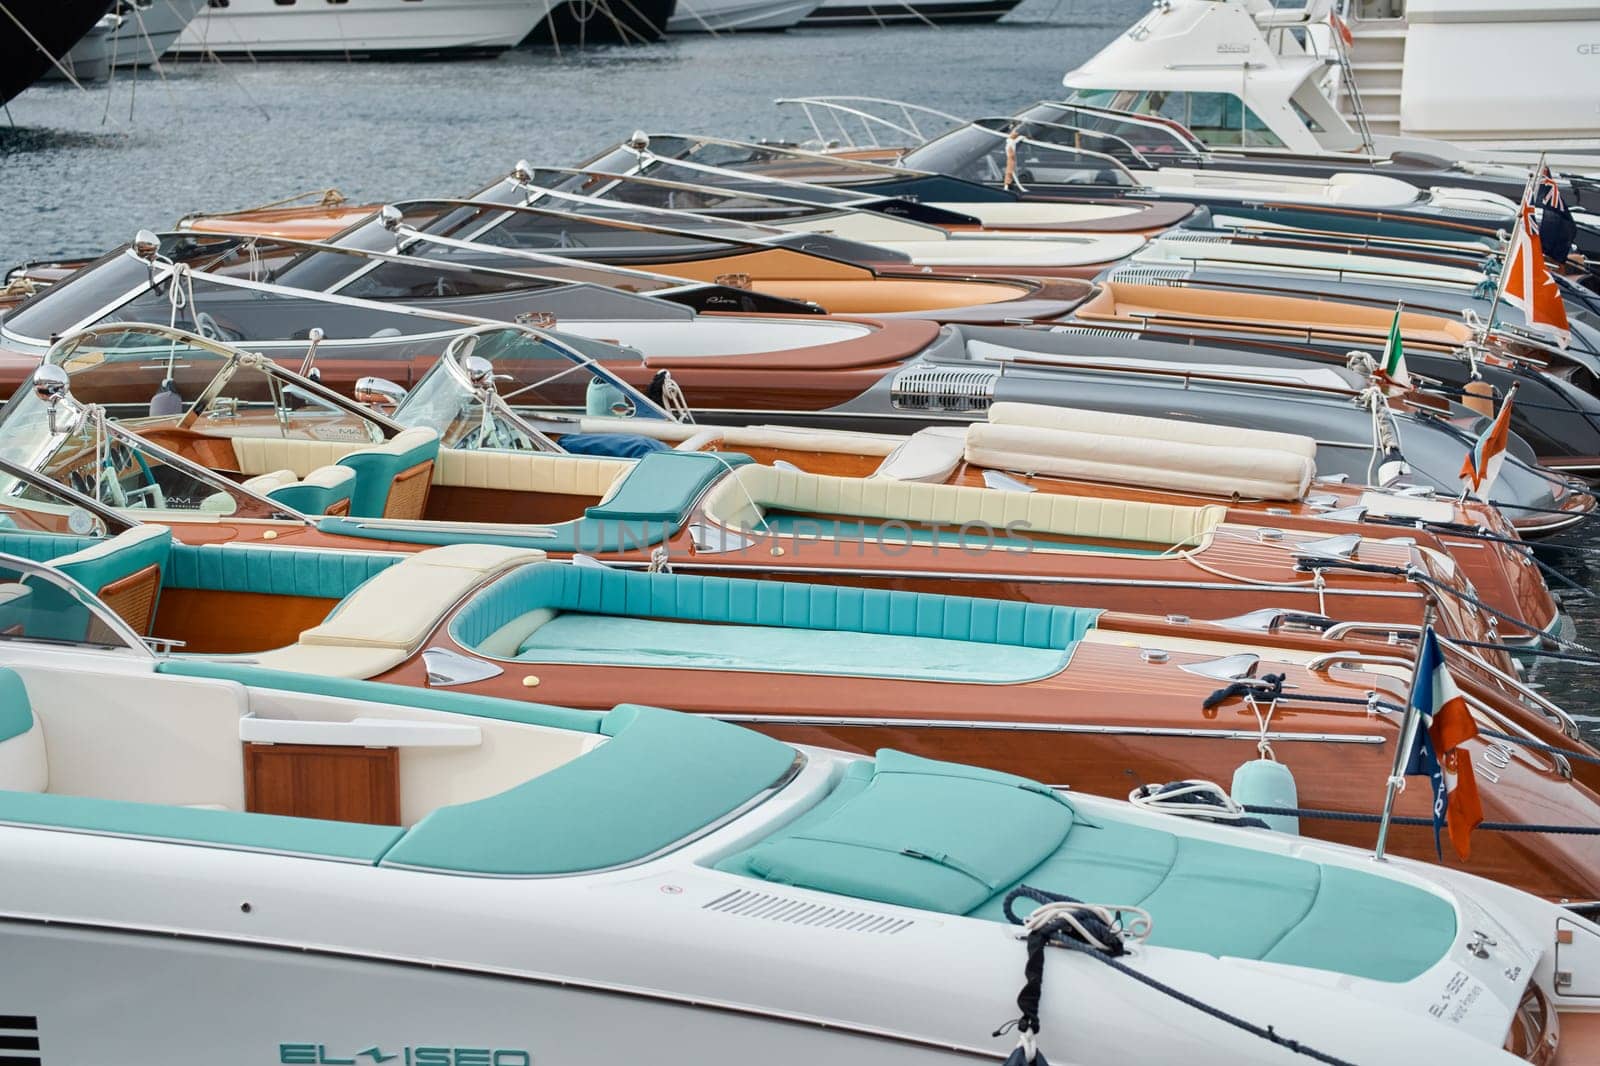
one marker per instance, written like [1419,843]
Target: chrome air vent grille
[1151,275]
[774,908]
[937,388]
[1198,238]
[1475,212]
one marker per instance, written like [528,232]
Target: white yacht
[358,27]
[729,16]
[299,869]
[1472,80]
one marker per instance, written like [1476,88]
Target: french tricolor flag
[1482,464]
[1443,725]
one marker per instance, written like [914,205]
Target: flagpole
[1511,245]
[1408,733]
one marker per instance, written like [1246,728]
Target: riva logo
[408,1055]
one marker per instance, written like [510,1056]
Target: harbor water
[82,170]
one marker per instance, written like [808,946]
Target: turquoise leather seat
[392,478]
[741,601]
[319,573]
[328,490]
[104,566]
[956,839]
[660,778]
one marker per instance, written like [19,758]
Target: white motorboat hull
[147,32]
[856,13]
[360,27]
[1421,73]
[726,16]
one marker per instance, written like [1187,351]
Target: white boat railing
[845,111]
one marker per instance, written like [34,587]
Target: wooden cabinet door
[343,784]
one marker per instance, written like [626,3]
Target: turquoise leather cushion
[650,505]
[1236,901]
[935,840]
[920,833]
[587,638]
[16,712]
[742,601]
[349,841]
[42,547]
[375,474]
[123,561]
[93,574]
[662,486]
[277,571]
[662,777]
[379,694]
[312,499]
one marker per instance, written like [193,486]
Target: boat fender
[603,399]
[167,401]
[1268,783]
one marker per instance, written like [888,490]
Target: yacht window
[1215,118]
[1375,10]
[1305,116]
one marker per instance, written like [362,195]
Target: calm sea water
[82,171]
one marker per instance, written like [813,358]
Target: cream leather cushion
[566,475]
[330,477]
[262,484]
[1162,429]
[263,455]
[399,606]
[927,455]
[1171,465]
[738,500]
[23,767]
[332,660]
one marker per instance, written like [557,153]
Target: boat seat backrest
[124,571]
[143,738]
[263,455]
[741,500]
[399,606]
[262,484]
[1217,470]
[23,765]
[564,475]
[1119,424]
[317,573]
[555,587]
[325,491]
[392,478]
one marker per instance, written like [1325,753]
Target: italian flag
[1394,354]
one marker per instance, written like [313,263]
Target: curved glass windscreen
[37,604]
[979,152]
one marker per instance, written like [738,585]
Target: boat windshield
[41,604]
[534,374]
[171,398]
[978,152]
[1149,134]
[685,191]
[755,160]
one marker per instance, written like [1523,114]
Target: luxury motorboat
[968,170]
[858,374]
[333,869]
[473,490]
[456,464]
[738,16]
[33,41]
[1273,73]
[136,33]
[267,28]
[1095,700]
